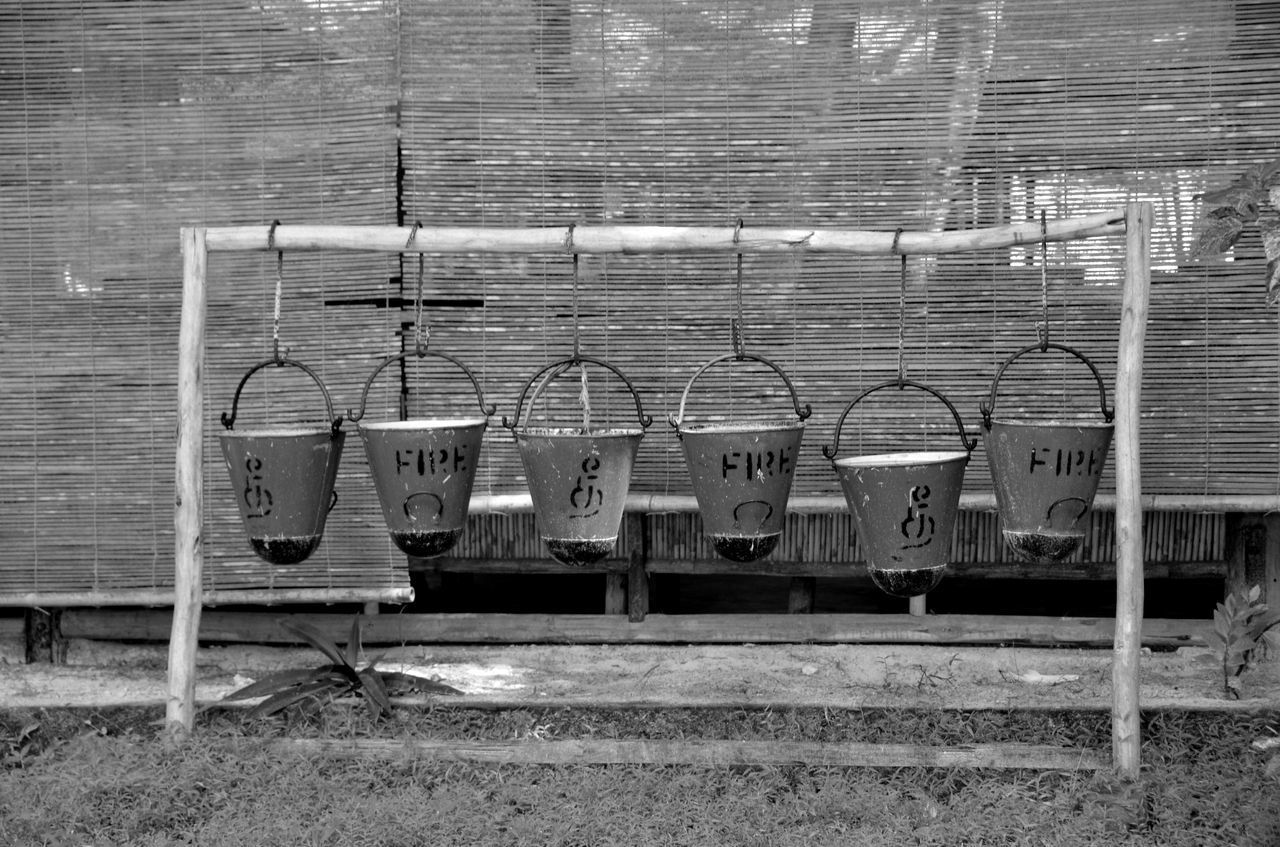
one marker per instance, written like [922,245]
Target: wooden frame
[1134,221]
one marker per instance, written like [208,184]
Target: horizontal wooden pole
[265,628]
[593,239]
[834,503]
[1082,571]
[220,597]
[705,752]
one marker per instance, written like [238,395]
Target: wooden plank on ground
[764,676]
[705,752]
[264,628]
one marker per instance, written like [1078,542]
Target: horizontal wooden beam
[974,502]
[265,628]
[1081,571]
[217,597]
[595,239]
[707,752]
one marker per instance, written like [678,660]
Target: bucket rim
[608,432]
[772,425]
[1054,422]
[900,460]
[281,432]
[426,423]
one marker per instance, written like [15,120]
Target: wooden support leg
[42,630]
[615,593]
[1253,545]
[800,599]
[188,576]
[1126,733]
[637,573]
[917,605]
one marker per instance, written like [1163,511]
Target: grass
[108,777]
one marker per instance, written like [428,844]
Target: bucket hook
[988,406]
[802,412]
[229,420]
[557,368]
[830,450]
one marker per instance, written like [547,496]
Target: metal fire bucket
[1045,473]
[423,469]
[578,478]
[904,505]
[742,472]
[283,477]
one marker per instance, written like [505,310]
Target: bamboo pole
[656,239]
[188,517]
[1126,740]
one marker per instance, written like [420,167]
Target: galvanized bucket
[283,478]
[578,478]
[423,469]
[1045,472]
[904,505]
[742,472]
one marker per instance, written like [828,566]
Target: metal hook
[413,233]
[421,335]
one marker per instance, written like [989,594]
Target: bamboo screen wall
[123,121]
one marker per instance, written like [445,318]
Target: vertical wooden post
[917,605]
[188,520]
[1126,739]
[638,573]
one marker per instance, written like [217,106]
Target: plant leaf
[1273,766]
[277,682]
[284,699]
[314,636]
[376,692]
[1254,594]
[1262,625]
[353,642]
[403,682]
[1273,282]
[1217,232]
[1221,626]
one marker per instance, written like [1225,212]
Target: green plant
[17,748]
[1254,198]
[312,688]
[1240,626]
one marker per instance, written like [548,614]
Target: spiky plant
[312,688]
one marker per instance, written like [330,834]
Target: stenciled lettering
[431,461]
[1060,461]
[256,496]
[755,465]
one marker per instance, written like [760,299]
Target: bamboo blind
[121,120]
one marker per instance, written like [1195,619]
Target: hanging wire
[275,318]
[1043,329]
[902,307]
[737,326]
[584,395]
[421,333]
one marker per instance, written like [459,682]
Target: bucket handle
[831,450]
[802,412]
[229,421]
[487,409]
[988,406]
[564,365]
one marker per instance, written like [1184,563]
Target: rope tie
[275,318]
[902,307]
